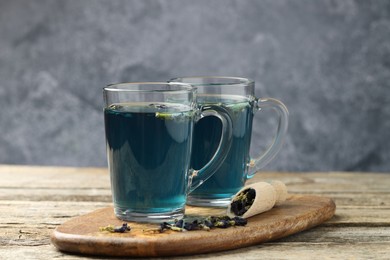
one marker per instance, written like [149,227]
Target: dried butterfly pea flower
[243,201]
[194,225]
[222,224]
[111,228]
[223,221]
[208,224]
[123,228]
[204,227]
[226,221]
[239,221]
[257,198]
[200,224]
[179,223]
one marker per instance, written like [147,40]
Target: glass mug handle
[197,177]
[257,163]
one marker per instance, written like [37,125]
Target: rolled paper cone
[281,191]
[264,200]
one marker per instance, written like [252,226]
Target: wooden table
[34,200]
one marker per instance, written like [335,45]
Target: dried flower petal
[243,201]
[112,229]
[201,224]
[109,228]
[122,229]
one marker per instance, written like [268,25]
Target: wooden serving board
[82,235]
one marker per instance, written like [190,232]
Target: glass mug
[149,132]
[237,95]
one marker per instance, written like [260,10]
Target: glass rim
[240,81]
[182,87]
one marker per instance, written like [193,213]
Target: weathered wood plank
[48,212]
[53,177]
[331,234]
[56,194]
[332,182]
[104,195]
[66,177]
[92,184]
[34,200]
[57,211]
[277,250]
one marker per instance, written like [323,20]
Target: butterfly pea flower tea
[237,96]
[149,135]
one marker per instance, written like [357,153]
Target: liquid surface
[148,149]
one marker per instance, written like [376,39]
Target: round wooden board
[81,234]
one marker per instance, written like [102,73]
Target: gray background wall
[328,61]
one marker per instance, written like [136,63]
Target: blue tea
[148,148]
[231,175]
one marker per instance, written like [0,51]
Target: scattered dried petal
[124,228]
[109,228]
[112,229]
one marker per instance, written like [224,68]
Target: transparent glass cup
[237,96]
[149,133]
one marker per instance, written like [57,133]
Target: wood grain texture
[82,235]
[35,200]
